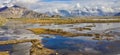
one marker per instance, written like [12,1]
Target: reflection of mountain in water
[79,45]
[104,26]
[5,47]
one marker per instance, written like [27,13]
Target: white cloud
[40,5]
[4,1]
[46,6]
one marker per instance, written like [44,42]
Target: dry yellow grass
[81,29]
[56,32]
[62,33]
[2,21]
[71,21]
[67,21]
[4,53]
[50,31]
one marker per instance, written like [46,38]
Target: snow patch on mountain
[78,10]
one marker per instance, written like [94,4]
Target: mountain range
[78,10]
[21,12]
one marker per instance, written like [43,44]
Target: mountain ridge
[19,12]
[79,10]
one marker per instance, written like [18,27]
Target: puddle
[79,45]
[83,45]
[5,47]
[68,45]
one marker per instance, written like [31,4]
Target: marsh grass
[2,21]
[59,21]
[81,29]
[4,53]
[39,31]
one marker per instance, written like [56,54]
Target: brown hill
[19,12]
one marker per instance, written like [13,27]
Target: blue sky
[56,0]
[65,1]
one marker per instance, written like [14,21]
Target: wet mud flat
[22,47]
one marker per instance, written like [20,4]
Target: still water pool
[78,45]
[73,45]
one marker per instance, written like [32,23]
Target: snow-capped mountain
[78,10]
[74,10]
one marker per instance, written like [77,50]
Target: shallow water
[97,25]
[85,45]
[79,45]
[104,26]
[69,27]
[68,45]
[5,47]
